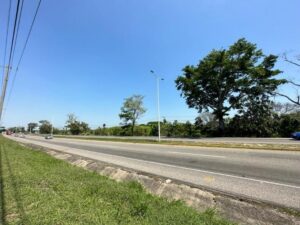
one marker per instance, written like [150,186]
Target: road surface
[269,176]
[288,141]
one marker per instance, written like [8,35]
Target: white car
[48,137]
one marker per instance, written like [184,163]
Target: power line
[9,60]
[29,33]
[14,43]
[23,50]
[14,34]
[5,48]
[17,32]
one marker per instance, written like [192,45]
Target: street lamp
[158,79]
[51,127]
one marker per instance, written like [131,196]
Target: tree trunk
[221,125]
[132,128]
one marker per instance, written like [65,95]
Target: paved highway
[288,141]
[271,176]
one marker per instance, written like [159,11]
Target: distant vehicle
[22,136]
[48,137]
[296,135]
[8,132]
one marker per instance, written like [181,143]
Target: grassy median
[38,189]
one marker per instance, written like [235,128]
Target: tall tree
[223,79]
[75,126]
[257,106]
[31,126]
[256,119]
[132,110]
[45,127]
[71,118]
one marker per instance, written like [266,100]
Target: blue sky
[85,57]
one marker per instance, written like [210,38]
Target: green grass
[279,147]
[38,189]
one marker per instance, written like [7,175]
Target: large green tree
[45,127]
[256,120]
[256,116]
[31,126]
[75,126]
[224,79]
[132,110]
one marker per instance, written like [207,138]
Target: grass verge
[257,146]
[38,189]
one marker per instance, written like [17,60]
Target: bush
[142,130]
[289,124]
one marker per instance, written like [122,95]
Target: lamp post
[158,79]
[51,127]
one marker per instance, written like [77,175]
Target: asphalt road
[248,140]
[270,176]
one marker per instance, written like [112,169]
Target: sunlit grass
[38,189]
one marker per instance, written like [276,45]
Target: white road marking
[209,172]
[142,150]
[198,154]
[169,165]
[118,147]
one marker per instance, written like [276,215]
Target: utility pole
[5,81]
[158,79]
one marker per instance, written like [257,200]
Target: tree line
[280,124]
[232,89]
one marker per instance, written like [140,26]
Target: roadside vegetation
[38,189]
[281,124]
[233,90]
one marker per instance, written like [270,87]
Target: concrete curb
[237,210]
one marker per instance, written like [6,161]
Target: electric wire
[17,32]
[6,39]
[9,59]
[22,53]
[14,35]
